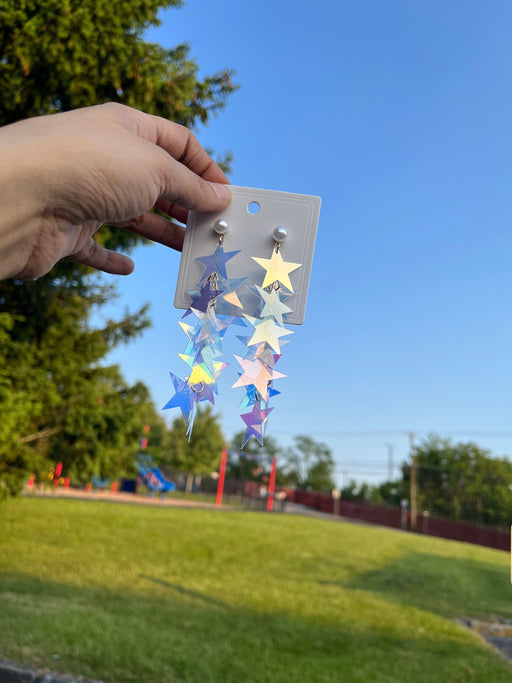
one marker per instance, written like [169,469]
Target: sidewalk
[10,672]
[106,496]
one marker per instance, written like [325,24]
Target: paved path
[10,672]
[80,494]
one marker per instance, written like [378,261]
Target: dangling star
[201,299]
[254,421]
[273,306]
[277,270]
[181,399]
[252,395]
[256,373]
[216,263]
[269,331]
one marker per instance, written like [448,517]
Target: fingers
[156,228]
[172,210]
[178,184]
[185,173]
[183,146]
[103,259]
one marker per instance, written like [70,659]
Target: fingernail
[222,191]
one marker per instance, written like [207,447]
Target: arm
[63,176]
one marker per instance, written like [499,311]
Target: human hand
[63,176]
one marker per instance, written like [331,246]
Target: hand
[63,176]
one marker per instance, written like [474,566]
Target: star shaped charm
[208,293]
[267,330]
[216,263]
[277,270]
[181,399]
[273,306]
[256,373]
[251,397]
[254,421]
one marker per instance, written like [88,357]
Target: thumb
[184,187]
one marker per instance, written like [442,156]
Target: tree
[310,464]
[59,403]
[57,55]
[56,398]
[458,481]
[357,493]
[201,454]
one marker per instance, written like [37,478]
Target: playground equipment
[100,483]
[153,477]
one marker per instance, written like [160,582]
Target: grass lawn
[127,593]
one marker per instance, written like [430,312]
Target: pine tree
[57,401]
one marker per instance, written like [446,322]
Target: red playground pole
[271,486]
[222,474]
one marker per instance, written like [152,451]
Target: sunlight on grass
[128,593]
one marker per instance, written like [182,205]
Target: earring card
[252,217]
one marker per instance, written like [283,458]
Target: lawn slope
[127,593]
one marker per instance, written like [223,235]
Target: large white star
[277,270]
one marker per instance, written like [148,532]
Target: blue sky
[399,116]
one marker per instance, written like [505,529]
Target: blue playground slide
[154,479]
[100,483]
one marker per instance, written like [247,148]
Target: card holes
[253,208]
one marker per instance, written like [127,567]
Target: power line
[378,433]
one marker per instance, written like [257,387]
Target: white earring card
[252,218]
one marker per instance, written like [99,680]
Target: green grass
[127,593]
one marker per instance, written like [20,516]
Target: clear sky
[399,115]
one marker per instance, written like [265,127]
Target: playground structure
[99,483]
[155,481]
[153,477]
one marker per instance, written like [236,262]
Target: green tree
[57,55]
[389,493]
[57,400]
[310,465]
[202,453]
[357,493]
[463,482]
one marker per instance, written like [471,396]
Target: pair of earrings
[217,305]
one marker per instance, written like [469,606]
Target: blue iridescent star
[216,263]
[182,398]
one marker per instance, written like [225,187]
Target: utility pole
[391,450]
[413,482]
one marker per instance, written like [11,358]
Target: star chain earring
[263,344]
[211,310]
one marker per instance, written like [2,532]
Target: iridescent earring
[263,344]
[211,310]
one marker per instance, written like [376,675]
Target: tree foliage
[309,465]
[58,402]
[202,453]
[463,482]
[57,55]
[458,481]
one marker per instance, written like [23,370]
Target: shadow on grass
[188,592]
[188,637]
[450,586]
